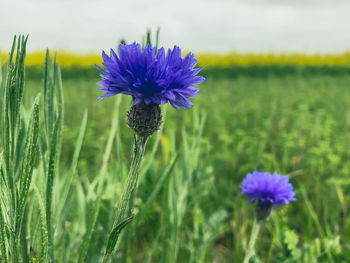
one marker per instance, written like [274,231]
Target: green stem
[14,248]
[127,196]
[126,203]
[252,240]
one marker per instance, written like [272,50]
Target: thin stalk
[124,213]
[252,240]
[139,150]
[14,244]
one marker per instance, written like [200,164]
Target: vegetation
[75,154]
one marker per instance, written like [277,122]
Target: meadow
[188,206]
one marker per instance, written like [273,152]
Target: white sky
[198,25]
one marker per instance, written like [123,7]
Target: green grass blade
[148,37]
[58,82]
[316,221]
[12,48]
[154,246]
[168,170]
[93,213]
[2,85]
[28,162]
[3,237]
[6,131]
[49,188]
[43,227]
[49,102]
[19,80]
[69,177]
[99,180]
[60,106]
[157,38]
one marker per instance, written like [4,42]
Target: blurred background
[196,25]
[276,98]
[222,33]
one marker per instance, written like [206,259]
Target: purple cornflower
[274,190]
[150,76]
[269,190]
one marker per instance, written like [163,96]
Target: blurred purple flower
[150,76]
[274,190]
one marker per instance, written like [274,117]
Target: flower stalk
[125,208]
[253,237]
[127,196]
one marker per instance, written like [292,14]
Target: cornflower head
[152,78]
[268,190]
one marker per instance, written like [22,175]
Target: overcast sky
[198,25]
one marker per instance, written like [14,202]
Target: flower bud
[145,119]
[262,211]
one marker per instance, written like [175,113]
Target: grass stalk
[252,240]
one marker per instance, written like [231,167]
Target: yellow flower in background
[280,59]
[70,59]
[295,160]
[165,147]
[64,58]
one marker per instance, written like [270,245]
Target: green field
[65,158]
[297,126]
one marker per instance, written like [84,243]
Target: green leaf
[28,162]
[49,186]
[114,235]
[2,236]
[57,82]
[157,38]
[49,102]
[290,239]
[43,227]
